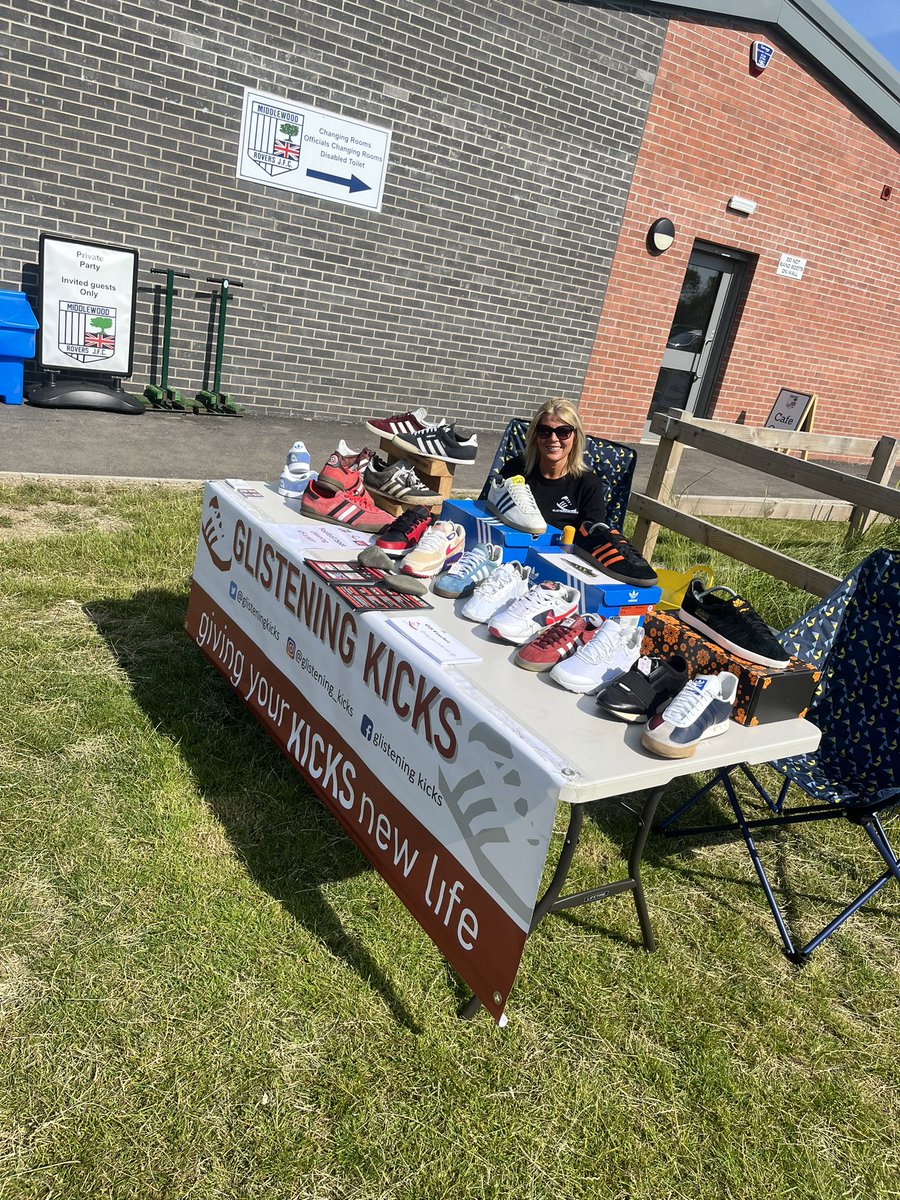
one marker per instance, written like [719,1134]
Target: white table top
[605,756]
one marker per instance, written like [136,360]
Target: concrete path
[176,446]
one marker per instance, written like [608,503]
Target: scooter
[162,396]
[215,400]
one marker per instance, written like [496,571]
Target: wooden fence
[762,450]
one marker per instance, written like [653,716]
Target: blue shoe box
[600,593]
[482,526]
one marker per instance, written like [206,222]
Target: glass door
[699,331]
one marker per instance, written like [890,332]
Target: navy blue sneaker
[701,710]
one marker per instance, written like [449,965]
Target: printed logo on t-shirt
[565,505]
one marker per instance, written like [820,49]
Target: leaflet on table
[485,793]
[308,537]
[437,643]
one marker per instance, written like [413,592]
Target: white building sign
[306,150]
[791,266]
[86,306]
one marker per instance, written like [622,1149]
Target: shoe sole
[740,651]
[631,718]
[417,453]
[511,524]
[532,666]
[666,750]
[461,595]
[618,577]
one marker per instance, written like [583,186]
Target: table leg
[551,901]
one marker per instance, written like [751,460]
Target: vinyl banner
[87,301]
[454,811]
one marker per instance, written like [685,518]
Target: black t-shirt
[565,501]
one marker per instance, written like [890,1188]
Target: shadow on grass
[288,842]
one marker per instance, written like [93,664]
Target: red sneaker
[405,532]
[343,508]
[557,642]
[343,471]
[411,422]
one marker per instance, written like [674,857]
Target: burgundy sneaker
[343,471]
[411,422]
[557,642]
[343,508]
[405,532]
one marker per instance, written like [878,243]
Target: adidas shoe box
[764,693]
[482,526]
[600,593]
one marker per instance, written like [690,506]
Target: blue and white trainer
[473,568]
[297,472]
[701,710]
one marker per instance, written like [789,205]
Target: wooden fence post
[659,487]
[879,472]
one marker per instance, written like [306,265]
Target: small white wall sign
[791,266]
[303,149]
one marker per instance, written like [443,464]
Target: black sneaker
[439,441]
[613,554]
[641,692]
[728,620]
[404,532]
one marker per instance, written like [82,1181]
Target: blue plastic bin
[18,325]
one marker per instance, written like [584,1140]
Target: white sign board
[306,150]
[791,266]
[790,410]
[87,298]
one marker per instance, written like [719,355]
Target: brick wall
[475,291]
[816,167]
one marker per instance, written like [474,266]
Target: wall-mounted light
[660,235]
[742,205]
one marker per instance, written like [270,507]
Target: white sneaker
[512,501]
[613,650]
[506,583]
[702,709]
[440,545]
[297,471]
[542,605]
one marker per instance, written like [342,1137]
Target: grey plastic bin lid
[15,312]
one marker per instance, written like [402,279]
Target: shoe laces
[561,632]
[690,701]
[437,536]
[407,521]
[470,561]
[602,644]
[408,476]
[501,578]
[523,496]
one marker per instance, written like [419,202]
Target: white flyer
[434,641]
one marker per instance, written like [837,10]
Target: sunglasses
[563,432]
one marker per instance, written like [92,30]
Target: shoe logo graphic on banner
[87,332]
[213,531]
[273,138]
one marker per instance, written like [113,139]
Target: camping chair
[614,464]
[853,637]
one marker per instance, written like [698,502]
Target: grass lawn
[206,992]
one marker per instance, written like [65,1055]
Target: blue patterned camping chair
[611,462]
[853,637]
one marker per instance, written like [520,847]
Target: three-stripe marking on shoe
[607,554]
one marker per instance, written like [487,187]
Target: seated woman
[565,489]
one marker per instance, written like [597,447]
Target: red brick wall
[816,168]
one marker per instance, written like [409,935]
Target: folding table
[454,772]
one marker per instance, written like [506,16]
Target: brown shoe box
[764,693]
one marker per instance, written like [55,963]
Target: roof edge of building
[826,37]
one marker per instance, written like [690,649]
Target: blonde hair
[566,413]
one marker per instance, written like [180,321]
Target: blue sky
[878,21]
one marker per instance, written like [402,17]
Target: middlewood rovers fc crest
[273,138]
[87,332]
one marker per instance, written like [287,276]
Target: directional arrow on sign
[353,184]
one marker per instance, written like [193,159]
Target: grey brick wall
[475,291]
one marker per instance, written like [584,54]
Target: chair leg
[666,823]
[761,875]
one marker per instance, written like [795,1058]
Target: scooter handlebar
[165,271]
[222,279]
